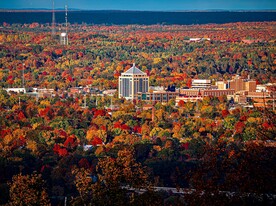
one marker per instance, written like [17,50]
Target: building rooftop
[134,70]
[208,81]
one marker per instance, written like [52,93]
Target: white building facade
[201,83]
[17,90]
[131,82]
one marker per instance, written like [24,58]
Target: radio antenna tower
[64,35]
[66,22]
[53,19]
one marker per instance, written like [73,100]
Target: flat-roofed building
[188,95]
[189,92]
[201,83]
[193,95]
[75,90]
[110,92]
[187,99]
[16,90]
[239,84]
[242,97]
[259,95]
[250,86]
[157,96]
[261,88]
[222,84]
[44,92]
[217,92]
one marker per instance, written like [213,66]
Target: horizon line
[183,10]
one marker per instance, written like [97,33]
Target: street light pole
[23,80]
[85,101]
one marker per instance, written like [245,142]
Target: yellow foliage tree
[28,190]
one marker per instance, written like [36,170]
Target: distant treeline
[136,17]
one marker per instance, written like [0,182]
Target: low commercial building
[110,92]
[199,39]
[217,92]
[201,83]
[16,90]
[206,92]
[261,88]
[189,92]
[222,84]
[44,92]
[187,99]
[192,95]
[157,96]
[243,97]
[268,102]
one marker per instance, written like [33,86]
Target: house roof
[134,70]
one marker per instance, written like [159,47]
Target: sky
[152,5]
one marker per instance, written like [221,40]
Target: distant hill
[36,10]
[119,17]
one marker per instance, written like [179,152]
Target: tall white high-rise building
[131,82]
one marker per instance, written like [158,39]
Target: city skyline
[151,5]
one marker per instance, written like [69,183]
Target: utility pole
[36,98]
[23,80]
[273,91]
[153,108]
[84,101]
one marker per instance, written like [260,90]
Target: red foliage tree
[239,126]
[96,141]
[224,113]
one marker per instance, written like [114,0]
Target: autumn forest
[75,149]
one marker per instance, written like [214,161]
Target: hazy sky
[142,4]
